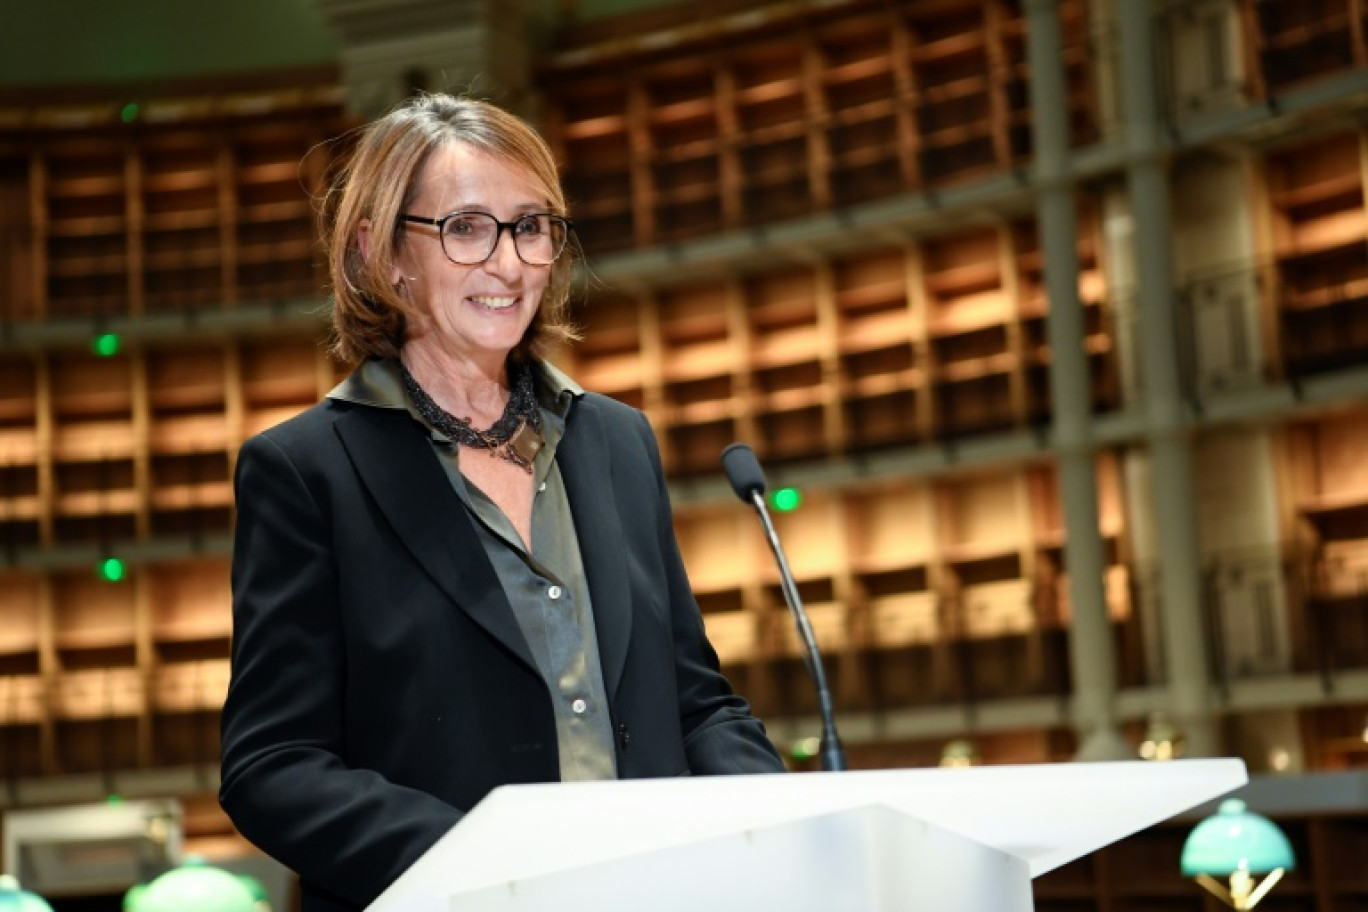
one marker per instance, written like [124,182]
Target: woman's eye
[461,227]
[529,226]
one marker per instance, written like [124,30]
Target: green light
[805,748]
[106,345]
[786,500]
[111,569]
[130,112]
[114,799]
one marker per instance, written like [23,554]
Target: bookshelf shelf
[823,108]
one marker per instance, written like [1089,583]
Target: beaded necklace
[515,437]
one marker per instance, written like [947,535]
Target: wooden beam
[39,221]
[739,339]
[49,672]
[1011,290]
[1000,75]
[142,457]
[907,97]
[43,434]
[942,580]
[729,170]
[641,153]
[818,117]
[923,353]
[1028,556]
[134,218]
[146,658]
[225,175]
[834,425]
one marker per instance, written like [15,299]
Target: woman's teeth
[494,303]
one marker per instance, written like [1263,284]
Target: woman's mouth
[494,302]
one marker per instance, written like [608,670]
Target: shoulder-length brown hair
[380,182]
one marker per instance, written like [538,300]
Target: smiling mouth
[494,302]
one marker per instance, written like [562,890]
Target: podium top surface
[1046,814]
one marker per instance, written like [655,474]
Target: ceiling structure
[90,42]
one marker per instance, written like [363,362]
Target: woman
[458,570]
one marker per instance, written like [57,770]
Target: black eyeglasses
[470,238]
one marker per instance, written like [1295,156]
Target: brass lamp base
[1244,892]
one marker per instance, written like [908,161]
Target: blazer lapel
[587,470]
[396,464]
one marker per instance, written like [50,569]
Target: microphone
[748,481]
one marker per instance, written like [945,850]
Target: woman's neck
[467,388]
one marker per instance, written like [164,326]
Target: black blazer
[380,683]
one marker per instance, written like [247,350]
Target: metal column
[1091,651]
[1167,425]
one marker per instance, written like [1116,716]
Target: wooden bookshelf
[589,126]
[1329,511]
[882,356]
[92,667]
[141,445]
[1315,229]
[85,222]
[182,214]
[804,111]
[203,201]
[920,591]
[939,338]
[1294,43]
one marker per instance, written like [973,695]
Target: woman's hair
[380,182]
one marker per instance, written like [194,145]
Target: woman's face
[472,313]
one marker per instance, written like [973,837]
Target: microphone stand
[832,754]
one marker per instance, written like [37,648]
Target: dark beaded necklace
[516,436]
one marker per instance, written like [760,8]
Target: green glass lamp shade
[196,885]
[13,899]
[1236,839]
[133,897]
[257,889]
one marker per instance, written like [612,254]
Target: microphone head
[743,471]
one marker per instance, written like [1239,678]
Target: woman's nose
[504,260]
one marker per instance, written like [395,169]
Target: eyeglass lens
[470,237]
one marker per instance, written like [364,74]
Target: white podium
[954,840]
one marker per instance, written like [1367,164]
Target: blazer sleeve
[348,831]
[720,734]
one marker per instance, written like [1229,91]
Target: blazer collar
[396,464]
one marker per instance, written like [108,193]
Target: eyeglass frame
[440,225]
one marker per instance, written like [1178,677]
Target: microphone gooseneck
[748,481]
